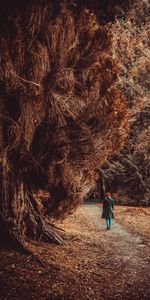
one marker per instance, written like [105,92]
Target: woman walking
[108,207]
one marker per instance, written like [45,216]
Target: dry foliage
[62,110]
[131,46]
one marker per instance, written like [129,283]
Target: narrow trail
[126,256]
[93,264]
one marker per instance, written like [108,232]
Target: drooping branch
[130,163]
[25,80]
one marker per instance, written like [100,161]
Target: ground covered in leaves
[93,264]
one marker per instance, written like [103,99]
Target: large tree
[62,112]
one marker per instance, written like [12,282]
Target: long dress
[108,205]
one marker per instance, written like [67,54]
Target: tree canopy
[63,111]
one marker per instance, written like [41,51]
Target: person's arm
[112,201]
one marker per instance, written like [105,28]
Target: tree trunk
[101,183]
[20,217]
[101,188]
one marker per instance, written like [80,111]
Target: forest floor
[94,263]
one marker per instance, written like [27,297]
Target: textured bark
[20,218]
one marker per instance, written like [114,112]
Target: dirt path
[93,264]
[127,257]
